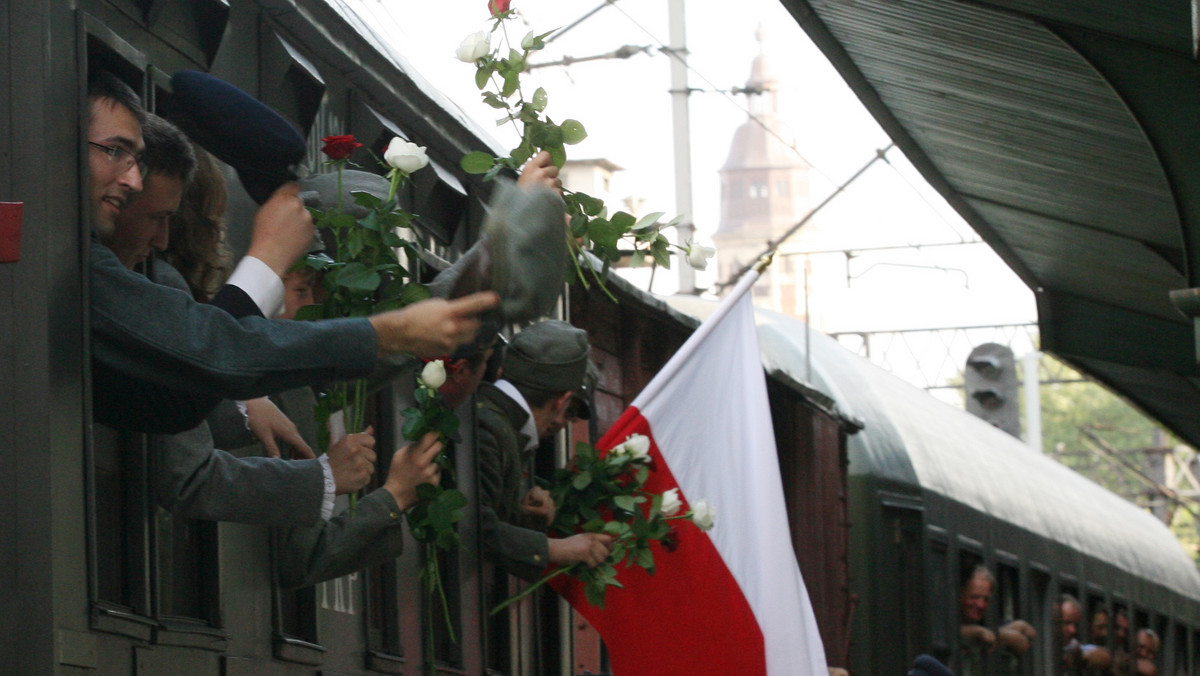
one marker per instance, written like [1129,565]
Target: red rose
[497,6]
[339,147]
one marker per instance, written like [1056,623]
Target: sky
[626,107]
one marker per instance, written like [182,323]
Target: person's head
[1068,614]
[463,375]
[975,594]
[197,242]
[1146,644]
[547,362]
[114,137]
[299,289]
[143,224]
[1121,629]
[1098,629]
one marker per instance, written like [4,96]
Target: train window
[1179,652]
[1007,597]
[1095,627]
[1040,617]
[291,84]
[942,608]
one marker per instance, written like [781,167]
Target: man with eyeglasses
[161,361]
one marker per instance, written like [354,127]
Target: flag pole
[694,342]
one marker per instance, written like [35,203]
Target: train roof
[913,438]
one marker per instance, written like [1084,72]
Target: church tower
[764,191]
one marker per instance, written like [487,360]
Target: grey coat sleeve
[161,335]
[193,479]
[348,542]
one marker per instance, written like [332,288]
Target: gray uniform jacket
[371,535]
[193,479]
[161,360]
[507,537]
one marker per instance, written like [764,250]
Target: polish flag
[730,600]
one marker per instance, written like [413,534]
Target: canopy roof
[1065,132]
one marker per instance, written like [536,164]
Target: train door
[901,588]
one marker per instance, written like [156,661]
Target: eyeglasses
[121,157]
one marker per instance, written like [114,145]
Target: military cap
[551,355]
[581,399]
[525,258]
[925,665]
[320,191]
[239,129]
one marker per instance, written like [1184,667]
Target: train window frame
[944,617]
[1040,585]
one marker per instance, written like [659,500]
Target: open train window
[1180,652]
[1007,596]
[1041,617]
[1097,621]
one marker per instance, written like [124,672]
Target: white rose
[671,504]
[405,155]
[703,514]
[474,47]
[433,375]
[637,446]
[697,255]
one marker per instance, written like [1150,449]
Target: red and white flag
[730,600]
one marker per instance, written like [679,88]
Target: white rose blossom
[637,446]
[405,155]
[698,255]
[474,47]
[433,375]
[671,504]
[703,514]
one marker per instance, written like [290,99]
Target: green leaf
[309,313]
[638,259]
[414,292]
[494,101]
[539,100]
[572,132]
[357,277]
[558,156]
[625,502]
[546,135]
[622,221]
[648,221]
[512,81]
[661,253]
[595,594]
[477,162]
[591,206]
[413,428]
[366,199]
[482,74]
[582,480]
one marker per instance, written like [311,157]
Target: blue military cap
[925,665]
[239,129]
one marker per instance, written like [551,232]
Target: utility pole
[681,119]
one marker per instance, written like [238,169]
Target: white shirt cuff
[261,283]
[330,489]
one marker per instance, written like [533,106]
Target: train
[890,493]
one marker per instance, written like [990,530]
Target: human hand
[267,423]
[352,460]
[977,634]
[590,549]
[432,327]
[538,503]
[540,170]
[413,465]
[283,229]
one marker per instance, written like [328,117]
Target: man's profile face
[144,224]
[975,597]
[110,184]
[556,416]
[1069,621]
[1121,632]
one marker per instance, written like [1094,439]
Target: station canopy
[1067,133]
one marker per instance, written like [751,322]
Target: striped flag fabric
[730,600]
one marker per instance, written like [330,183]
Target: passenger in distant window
[1145,650]
[1124,663]
[977,642]
[1068,613]
[1097,659]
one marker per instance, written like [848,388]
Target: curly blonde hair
[197,246]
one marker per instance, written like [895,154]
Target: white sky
[626,108]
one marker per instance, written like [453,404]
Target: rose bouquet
[605,492]
[498,72]
[364,277]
